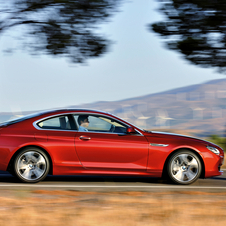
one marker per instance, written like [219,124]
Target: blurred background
[158,64]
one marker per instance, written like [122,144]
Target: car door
[60,141]
[106,146]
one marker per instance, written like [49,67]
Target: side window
[95,123]
[56,123]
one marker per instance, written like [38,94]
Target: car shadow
[110,179]
[120,179]
[8,178]
[218,178]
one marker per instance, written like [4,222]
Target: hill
[198,109]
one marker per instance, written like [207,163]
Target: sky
[136,65]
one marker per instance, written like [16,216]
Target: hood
[177,136]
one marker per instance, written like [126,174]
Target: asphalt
[107,184]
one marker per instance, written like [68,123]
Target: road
[98,183]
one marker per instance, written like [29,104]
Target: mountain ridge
[199,107]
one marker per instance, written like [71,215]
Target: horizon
[121,100]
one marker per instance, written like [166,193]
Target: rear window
[56,123]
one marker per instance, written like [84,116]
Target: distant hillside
[200,109]
[197,108]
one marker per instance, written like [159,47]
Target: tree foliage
[196,29]
[59,27]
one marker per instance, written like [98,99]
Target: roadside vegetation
[220,141]
[69,208]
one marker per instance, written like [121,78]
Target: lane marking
[108,186]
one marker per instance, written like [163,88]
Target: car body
[50,143]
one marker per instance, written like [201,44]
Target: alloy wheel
[184,168]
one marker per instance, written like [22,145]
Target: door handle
[84,138]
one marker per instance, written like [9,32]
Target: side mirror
[130,130]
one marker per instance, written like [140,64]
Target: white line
[108,186]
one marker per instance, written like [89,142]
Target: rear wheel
[31,165]
[184,167]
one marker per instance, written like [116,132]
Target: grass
[69,208]
[220,141]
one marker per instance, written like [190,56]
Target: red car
[89,142]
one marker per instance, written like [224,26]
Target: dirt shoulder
[46,208]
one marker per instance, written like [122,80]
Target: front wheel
[184,167]
[31,165]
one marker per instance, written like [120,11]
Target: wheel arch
[164,172]
[10,168]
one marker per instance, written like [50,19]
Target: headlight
[214,150]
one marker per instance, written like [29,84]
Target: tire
[31,165]
[184,167]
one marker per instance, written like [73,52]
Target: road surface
[99,183]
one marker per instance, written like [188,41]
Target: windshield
[130,123]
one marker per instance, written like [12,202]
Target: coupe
[90,142]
